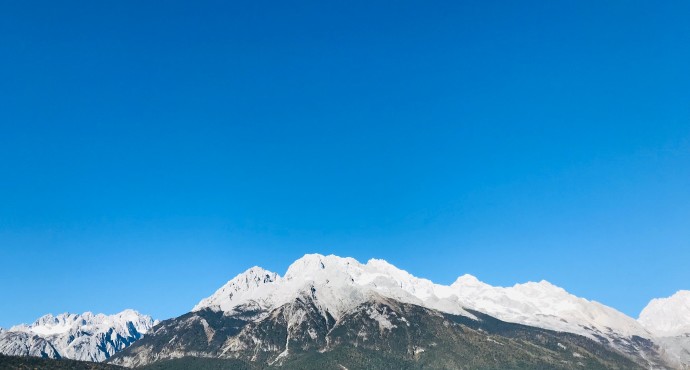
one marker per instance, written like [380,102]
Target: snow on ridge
[545,305]
[340,284]
[50,324]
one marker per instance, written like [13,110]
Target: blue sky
[150,152]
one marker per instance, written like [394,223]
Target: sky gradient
[149,152]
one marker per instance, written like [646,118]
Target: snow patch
[381,318]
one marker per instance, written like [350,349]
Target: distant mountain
[327,305]
[88,337]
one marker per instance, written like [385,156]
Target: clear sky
[150,151]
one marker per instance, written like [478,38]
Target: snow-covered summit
[666,317]
[468,281]
[240,290]
[339,284]
[87,336]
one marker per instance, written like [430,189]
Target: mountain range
[334,312]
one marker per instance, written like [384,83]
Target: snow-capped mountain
[328,303]
[669,320]
[668,317]
[88,336]
[343,283]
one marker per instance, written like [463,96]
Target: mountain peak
[467,280]
[539,287]
[239,289]
[310,264]
[668,317]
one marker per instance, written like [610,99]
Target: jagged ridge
[87,336]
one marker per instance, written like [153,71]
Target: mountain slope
[377,332]
[88,337]
[545,305]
